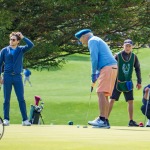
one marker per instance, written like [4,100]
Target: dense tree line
[51,24]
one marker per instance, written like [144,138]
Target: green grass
[64,137]
[66,91]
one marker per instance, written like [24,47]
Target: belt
[13,73]
[114,68]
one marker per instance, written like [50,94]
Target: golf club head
[37,99]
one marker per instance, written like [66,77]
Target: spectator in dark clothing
[146,103]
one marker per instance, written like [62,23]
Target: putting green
[61,137]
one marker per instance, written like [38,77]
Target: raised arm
[28,45]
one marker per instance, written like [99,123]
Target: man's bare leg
[102,104]
[130,109]
[106,107]
[111,103]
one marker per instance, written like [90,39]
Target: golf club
[92,87]
[147,98]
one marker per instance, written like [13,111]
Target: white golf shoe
[26,123]
[148,123]
[6,122]
[98,123]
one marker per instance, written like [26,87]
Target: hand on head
[20,34]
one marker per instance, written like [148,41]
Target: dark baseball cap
[128,41]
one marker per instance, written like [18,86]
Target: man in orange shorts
[104,69]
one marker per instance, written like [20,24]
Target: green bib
[125,69]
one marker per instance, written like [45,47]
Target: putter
[147,98]
[92,87]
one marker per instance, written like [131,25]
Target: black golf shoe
[107,122]
[132,124]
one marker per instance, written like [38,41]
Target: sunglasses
[13,40]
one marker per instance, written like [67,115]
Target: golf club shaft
[147,98]
[41,118]
[88,107]
[89,102]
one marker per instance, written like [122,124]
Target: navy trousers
[143,109]
[16,82]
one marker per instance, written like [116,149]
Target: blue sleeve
[94,50]
[1,60]
[28,45]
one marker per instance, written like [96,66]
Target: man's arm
[94,60]
[1,64]
[28,45]
[138,72]
[146,95]
[93,55]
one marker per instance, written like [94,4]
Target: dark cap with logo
[128,41]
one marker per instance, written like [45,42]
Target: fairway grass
[61,137]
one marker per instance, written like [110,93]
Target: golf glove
[94,77]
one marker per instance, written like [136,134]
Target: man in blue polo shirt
[12,58]
[104,71]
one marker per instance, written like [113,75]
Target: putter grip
[91,89]
[92,86]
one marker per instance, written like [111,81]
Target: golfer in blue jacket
[12,58]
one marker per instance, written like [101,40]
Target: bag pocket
[129,85]
[125,86]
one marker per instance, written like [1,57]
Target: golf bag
[35,112]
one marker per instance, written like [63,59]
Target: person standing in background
[27,74]
[127,60]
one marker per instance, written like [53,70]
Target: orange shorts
[106,80]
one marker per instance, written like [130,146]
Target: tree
[52,24]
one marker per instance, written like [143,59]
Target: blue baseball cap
[128,41]
[82,32]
